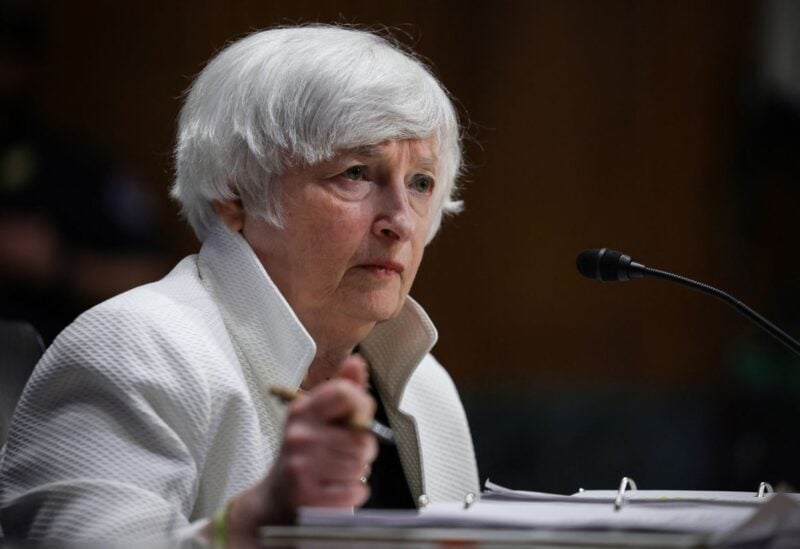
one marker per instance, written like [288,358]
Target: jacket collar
[271,338]
[396,347]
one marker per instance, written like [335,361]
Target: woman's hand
[321,461]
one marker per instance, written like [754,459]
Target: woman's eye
[422,184]
[355,173]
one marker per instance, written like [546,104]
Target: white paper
[724,517]
[777,521]
[571,515]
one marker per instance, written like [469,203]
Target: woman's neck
[324,367]
[335,340]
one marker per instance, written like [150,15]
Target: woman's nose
[395,219]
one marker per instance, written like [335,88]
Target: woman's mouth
[383,268]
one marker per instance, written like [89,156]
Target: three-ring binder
[628,485]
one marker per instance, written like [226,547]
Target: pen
[381,431]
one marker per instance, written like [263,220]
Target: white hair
[302,94]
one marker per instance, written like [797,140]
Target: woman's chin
[375,307]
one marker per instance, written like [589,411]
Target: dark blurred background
[669,130]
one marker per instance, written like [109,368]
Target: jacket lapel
[447,458]
[271,343]
[423,407]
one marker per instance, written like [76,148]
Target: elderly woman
[314,164]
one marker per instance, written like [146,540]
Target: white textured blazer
[148,413]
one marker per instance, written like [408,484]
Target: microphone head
[604,264]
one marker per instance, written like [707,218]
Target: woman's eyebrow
[374,151]
[368,151]
[427,163]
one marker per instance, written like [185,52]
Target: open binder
[629,493]
[626,517]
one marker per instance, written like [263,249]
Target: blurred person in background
[315,164]
[75,227]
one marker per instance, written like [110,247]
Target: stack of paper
[714,518]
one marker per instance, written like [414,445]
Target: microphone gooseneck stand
[611,266]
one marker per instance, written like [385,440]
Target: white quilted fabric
[147,414]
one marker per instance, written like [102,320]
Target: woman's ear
[231,212]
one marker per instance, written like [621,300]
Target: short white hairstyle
[300,94]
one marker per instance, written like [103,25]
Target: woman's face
[353,234]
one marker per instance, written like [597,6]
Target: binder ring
[626,482]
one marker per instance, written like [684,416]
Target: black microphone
[611,266]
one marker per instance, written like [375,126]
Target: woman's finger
[335,401]
[330,452]
[355,369]
[343,494]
